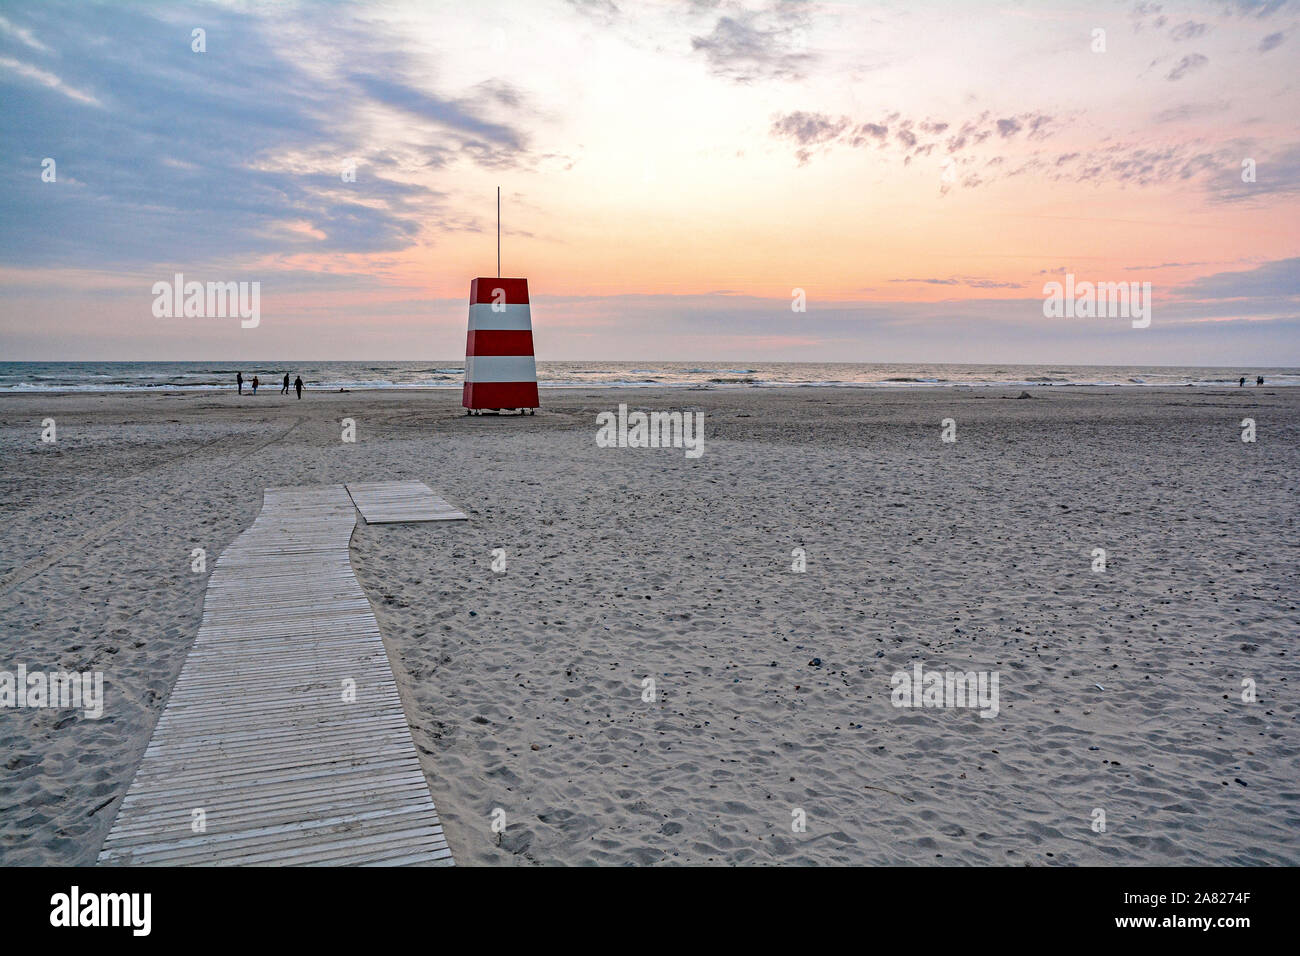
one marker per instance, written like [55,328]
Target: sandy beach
[1120,690]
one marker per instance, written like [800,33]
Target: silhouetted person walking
[1241,384]
[1259,379]
[255,384]
[285,390]
[297,383]
[239,382]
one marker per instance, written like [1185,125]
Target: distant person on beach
[1259,379]
[285,390]
[239,382]
[1241,384]
[297,383]
[255,384]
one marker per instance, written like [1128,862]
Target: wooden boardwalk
[381,502]
[257,736]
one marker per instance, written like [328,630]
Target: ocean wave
[155,377]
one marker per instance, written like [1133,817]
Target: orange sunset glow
[712,158]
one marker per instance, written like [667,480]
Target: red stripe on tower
[484,291]
[499,342]
[500,370]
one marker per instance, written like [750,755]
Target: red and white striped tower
[500,370]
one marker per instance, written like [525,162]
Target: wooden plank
[256,732]
[386,502]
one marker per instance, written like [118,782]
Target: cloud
[992,284]
[1254,8]
[808,129]
[1276,174]
[1280,278]
[1163,265]
[764,44]
[954,329]
[1146,14]
[1189,30]
[22,34]
[603,10]
[1138,165]
[909,138]
[228,155]
[1189,63]
[1271,41]
[1189,111]
[967,281]
[449,114]
[47,79]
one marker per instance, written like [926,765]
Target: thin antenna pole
[498,232]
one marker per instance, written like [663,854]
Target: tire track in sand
[30,569]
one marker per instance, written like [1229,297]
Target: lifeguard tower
[500,369]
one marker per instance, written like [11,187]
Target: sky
[673,176]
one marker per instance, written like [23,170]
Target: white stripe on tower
[512,317]
[500,368]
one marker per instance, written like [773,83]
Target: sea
[130,376]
